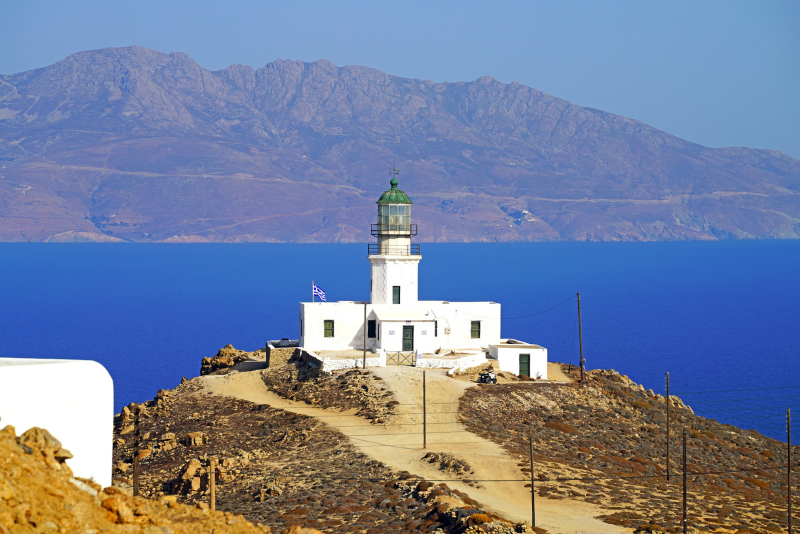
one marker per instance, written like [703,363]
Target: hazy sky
[716,73]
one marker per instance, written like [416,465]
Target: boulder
[195,439]
[41,441]
[190,478]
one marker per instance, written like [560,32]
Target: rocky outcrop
[226,358]
[39,441]
[448,463]
[298,380]
[39,494]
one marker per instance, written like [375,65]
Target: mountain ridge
[138,145]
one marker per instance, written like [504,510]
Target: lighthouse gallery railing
[376,250]
[394,229]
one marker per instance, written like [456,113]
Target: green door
[408,338]
[525,364]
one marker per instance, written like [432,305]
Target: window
[475,330]
[435,328]
[394,217]
[396,295]
[328,328]
[371,328]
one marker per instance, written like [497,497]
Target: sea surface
[723,318]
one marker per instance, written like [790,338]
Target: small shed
[520,358]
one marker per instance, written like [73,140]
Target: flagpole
[312,291]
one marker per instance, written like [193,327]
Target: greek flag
[317,291]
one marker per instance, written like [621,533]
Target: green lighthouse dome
[394,195]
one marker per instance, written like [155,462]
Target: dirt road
[398,443]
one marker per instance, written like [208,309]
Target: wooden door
[408,338]
[525,364]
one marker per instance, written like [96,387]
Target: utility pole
[424,415]
[136,449]
[789,465]
[685,522]
[668,430]
[580,337]
[364,365]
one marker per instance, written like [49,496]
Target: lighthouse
[394,260]
[394,326]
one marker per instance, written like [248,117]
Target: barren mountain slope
[139,145]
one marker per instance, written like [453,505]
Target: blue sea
[723,318]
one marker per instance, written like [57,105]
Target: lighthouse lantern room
[394,260]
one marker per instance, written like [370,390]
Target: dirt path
[399,443]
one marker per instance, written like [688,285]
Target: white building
[395,319]
[72,399]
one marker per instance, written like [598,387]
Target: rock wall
[469,360]
[328,365]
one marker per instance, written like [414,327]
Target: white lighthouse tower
[394,261]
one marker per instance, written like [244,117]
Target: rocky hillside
[611,428]
[285,470]
[39,494]
[133,144]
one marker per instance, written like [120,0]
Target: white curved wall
[72,399]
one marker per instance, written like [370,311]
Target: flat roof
[516,346]
[404,315]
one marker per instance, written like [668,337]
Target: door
[525,364]
[408,338]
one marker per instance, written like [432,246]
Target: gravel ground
[611,427]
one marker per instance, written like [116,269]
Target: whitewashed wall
[392,335]
[72,399]
[328,365]
[458,317]
[465,362]
[348,320]
[507,357]
[389,271]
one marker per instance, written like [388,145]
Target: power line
[734,390]
[558,479]
[541,312]
[742,400]
[752,409]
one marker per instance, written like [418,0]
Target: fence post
[685,523]
[136,449]
[533,489]
[212,479]
[424,415]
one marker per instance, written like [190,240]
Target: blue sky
[716,73]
